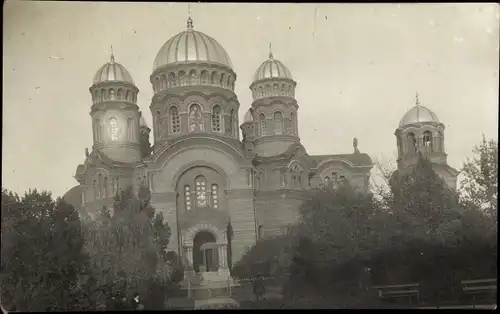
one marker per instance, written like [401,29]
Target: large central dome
[191,46]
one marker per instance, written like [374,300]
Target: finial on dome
[417,102]
[112,55]
[270,51]
[189,20]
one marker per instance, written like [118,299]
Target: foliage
[145,144]
[42,253]
[480,183]
[128,247]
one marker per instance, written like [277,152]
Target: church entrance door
[205,252]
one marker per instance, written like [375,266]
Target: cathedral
[218,190]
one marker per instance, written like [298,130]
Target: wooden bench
[409,291]
[480,287]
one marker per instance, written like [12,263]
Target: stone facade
[218,193]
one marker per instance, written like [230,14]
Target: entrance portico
[205,250]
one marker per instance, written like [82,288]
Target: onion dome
[272,69]
[112,72]
[418,114]
[191,46]
[248,117]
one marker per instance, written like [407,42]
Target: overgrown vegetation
[418,231]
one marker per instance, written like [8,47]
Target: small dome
[272,68]
[418,114]
[112,72]
[248,117]
[191,46]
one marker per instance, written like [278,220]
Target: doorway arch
[205,252]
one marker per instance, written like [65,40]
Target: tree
[480,183]
[130,245]
[42,253]
[420,201]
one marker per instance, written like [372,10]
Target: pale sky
[358,67]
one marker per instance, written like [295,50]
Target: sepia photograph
[186,156]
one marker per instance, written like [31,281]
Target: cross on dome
[112,58]
[270,51]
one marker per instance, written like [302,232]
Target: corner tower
[193,82]
[274,107]
[115,114]
[421,131]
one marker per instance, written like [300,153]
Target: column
[190,257]
[221,256]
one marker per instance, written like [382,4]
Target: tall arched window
[292,123]
[262,123]
[113,128]
[171,82]
[187,197]
[157,124]
[182,78]
[278,123]
[204,77]
[94,187]
[440,141]
[193,80]
[412,142]
[201,191]
[111,94]
[130,129]
[261,92]
[216,119]
[428,140]
[100,189]
[105,187]
[215,196]
[229,127]
[119,94]
[175,121]
[98,130]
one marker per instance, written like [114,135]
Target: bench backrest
[400,287]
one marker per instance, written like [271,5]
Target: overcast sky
[358,67]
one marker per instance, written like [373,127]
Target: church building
[219,190]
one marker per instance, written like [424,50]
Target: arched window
[113,128]
[300,178]
[130,129]
[214,78]
[97,130]
[105,187]
[412,143]
[215,196]
[94,186]
[182,78]
[230,125]
[278,123]
[100,189]
[193,80]
[103,94]
[119,94]
[157,125]
[234,121]
[283,90]
[222,81]
[292,123]
[275,90]
[111,94]
[342,179]
[440,141]
[171,82]
[204,77]
[175,121]
[201,191]
[260,232]
[327,181]
[428,140]
[187,197]
[263,126]
[216,119]
[158,86]
[267,90]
